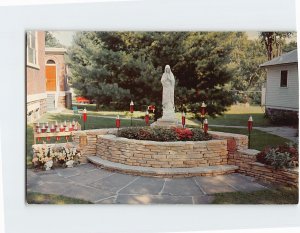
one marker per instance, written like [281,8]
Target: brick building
[46,76]
[35,75]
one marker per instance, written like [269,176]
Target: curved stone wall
[162,154]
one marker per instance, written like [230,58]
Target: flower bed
[46,156]
[164,134]
[282,156]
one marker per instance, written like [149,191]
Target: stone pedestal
[166,122]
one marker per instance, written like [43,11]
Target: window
[50,62]
[283,78]
[32,48]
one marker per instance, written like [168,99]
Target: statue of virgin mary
[168,83]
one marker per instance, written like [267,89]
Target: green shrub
[282,156]
[282,117]
[163,134]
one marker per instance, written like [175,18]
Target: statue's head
[167,69]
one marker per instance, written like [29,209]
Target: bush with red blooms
[282,156]
[164,134]
[183,134]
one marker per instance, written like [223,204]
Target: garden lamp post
[118,122]
[131,111]
[147,118]
[205,126]
[202,113]
[250,125]
[84,117]
[183,119]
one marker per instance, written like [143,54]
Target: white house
[282,88]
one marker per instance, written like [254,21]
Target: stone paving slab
[100,186]
[241,183]
[149,199]
[86,193]
[114,183]
[181,187]
[144,185]
[90,177]
[211,185]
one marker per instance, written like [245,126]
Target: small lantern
[205,126]
[62,129]
[67,138]
[57,138]
[131,106]
[48,137]
[52,128]
[43,128]
[47,125]
[147,118]
[203,109]
[70,127]
[118,122]
[183,119]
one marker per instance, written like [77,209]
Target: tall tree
[134,61]
[273,42]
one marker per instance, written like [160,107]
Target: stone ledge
[164,172]
[250,152]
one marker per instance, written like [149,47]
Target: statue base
[166,123]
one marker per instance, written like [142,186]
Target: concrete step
[163,172]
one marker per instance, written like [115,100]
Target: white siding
[282,97]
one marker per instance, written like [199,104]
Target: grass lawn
[39,198]
[236,115]
[280,195]
[259,139]
[239,115]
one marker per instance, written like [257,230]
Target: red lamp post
[84,117]
[118,122]
[250,125]
[131,110]
[183,119]
[147,118]
[205,126]
[202,113]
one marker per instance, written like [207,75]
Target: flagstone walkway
[100,186]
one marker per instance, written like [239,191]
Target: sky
[66,37]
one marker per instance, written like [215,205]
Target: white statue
[168,83]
